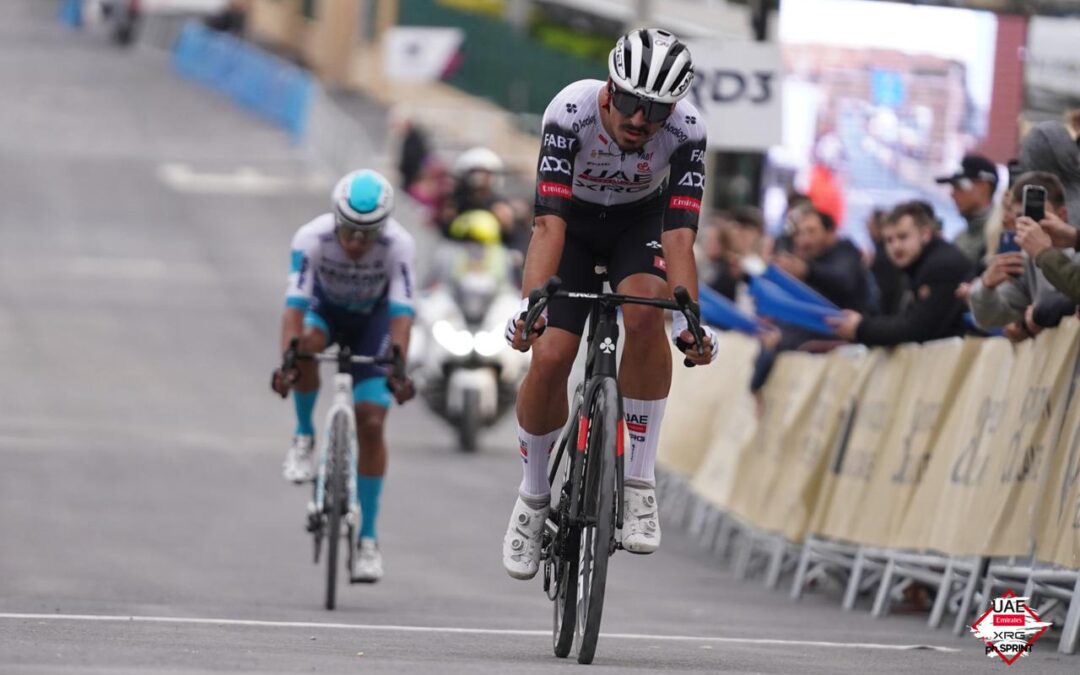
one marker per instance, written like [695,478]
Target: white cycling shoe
[641,521]
[299,466]
[367,565]
[521,545]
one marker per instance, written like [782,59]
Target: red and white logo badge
[1009,628]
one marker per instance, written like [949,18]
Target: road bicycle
[334,502]
[580,532]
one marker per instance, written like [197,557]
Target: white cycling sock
[535,449]
[643,427]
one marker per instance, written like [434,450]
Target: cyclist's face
[355,247]
[630,133]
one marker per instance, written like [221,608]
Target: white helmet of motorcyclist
[477,159]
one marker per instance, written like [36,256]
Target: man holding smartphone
[1012,288]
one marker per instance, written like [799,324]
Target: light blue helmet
[363,200]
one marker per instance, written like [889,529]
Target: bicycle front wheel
[598,510]
[336,500]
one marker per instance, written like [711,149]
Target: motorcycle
[464,370]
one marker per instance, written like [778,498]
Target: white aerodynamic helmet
[363,200]
[653,64]
[477,159]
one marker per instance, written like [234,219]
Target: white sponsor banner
[415,54]
[737,89]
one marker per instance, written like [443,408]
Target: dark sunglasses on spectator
[628,104]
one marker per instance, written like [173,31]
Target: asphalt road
[144,526]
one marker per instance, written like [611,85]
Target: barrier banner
[808,448]
[700,405]
[1058,537]
[940,507]
[787,405]
[847,479]
[936,374]
[735,421]
[1002,516]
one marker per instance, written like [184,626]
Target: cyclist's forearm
[400,327]
[679,258]
[545,250]
[292,325]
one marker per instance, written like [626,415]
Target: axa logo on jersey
[549,164]
[694,179]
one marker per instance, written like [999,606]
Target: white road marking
[463,631]
[245,180]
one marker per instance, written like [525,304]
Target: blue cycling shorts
[366,335]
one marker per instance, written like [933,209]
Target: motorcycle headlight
[489,343]
[457,342]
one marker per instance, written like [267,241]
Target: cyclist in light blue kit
[350,282]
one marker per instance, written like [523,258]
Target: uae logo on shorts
[1009,628]
[655,245]
[607,346]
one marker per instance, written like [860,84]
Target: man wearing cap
[973,193]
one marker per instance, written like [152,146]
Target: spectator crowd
[1013,270]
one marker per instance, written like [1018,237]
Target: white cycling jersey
[580,163]
[322,270]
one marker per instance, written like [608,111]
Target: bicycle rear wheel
[598,509]
[336,499]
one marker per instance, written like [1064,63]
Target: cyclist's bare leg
[371,463]
[644,380]
[542,409]
[541,403]
[645,370]
[370,422]
[299,466]
[313,340]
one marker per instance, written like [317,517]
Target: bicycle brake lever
[691,311]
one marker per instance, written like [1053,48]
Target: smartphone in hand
[1034,201]
[1007,243]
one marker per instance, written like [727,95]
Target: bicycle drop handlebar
[293,354]
[539,298]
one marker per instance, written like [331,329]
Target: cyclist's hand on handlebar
[684,341]
[281,382]
[402,389]
[516,323]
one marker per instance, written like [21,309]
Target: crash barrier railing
[953,464]
[272,88]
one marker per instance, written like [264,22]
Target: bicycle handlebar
[539,298]
[393,359]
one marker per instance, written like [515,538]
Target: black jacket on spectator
[720,279]
[930,309]
[890,280]
[838,274]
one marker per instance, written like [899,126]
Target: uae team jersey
[580,164]
[321,271]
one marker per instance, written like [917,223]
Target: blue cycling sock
[305,404]
[368,489]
